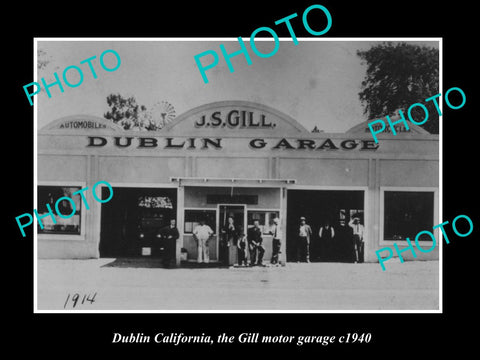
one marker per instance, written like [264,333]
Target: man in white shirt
[358,244]
[202,233]
[303,241]
[276,231]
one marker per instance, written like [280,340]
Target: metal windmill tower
[163,113]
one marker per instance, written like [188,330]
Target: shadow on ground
[135,263]
[157,263]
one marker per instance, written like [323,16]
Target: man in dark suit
[255,240]
[170,235]
[230,233]
[343,250]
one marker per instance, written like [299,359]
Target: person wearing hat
[170,235]
[230,233]
[326,235]
[276,231]
[303,242]
[358,244]
[255,240]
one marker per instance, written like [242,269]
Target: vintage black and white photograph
[193,175]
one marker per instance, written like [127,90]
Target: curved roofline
[251,104]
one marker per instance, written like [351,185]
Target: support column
[274,167]
[180,221]
[374,216]
[370,222]
[283,225]
[93,216]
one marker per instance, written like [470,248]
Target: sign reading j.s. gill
[241,119]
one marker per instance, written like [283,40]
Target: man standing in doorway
[255,244]
[326,235]
[358,244]
[230,234]
[341,249]
[202,233]
[170,235]
[276,241]
[303,244]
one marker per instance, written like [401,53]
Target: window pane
[49,195]
[407,213]
[256,215]
[193,217]
[265,219]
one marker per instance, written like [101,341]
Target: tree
[399,75]
[131,116]
[43,59]
[46,68]
[124,111]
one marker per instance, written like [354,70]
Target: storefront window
[265,219]
[50,195]
[407,213]
[193,217]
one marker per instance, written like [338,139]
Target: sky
[316,82]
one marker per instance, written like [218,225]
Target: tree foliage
[131,116]
[42,59]
[399,75]
[46,67]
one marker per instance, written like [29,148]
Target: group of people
[233,235]
[330,243]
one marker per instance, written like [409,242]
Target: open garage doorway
[132,221]
[322,207]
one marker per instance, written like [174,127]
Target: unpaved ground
[316,286]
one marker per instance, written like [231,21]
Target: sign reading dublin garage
[217,143]
[237,120]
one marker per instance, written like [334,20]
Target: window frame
[267,219]
[384,189]
[185,209]
[83,212]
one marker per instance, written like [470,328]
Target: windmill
[163,113]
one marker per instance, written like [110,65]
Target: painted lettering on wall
[217,143]
[234,119]
[396,128]
[86,124]
[149,142]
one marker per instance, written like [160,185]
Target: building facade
[239,159]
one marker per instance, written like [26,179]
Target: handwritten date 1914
[75,299]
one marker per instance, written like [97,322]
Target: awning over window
[198,181]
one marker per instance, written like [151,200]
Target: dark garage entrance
[132,220]
[319,207]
